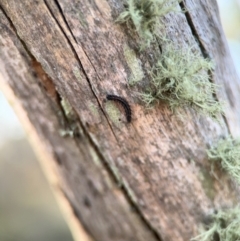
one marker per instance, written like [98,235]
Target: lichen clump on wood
[144,16]
[225,226]
[228,153]
[134,64]
[181,78]
[113,112]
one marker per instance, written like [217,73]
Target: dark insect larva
[124,103]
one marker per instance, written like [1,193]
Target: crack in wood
[58,97]
[76,55]
[158,163]
[42,76]
[194,30]
[64,19]
[105,163]
[203,51]
[56,156]
[70,44]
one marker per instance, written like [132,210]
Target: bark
[145,180]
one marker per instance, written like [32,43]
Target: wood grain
[147,180]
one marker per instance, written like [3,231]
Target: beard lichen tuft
[225,226]
[227,152]
[144,16]
[181,78]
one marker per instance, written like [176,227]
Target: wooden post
[145,180]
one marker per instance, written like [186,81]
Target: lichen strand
[181,78]
[228,153]
[134,65]
[143,16]
[225,226]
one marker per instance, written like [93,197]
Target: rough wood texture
[147,180]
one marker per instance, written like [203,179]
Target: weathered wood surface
[147,180]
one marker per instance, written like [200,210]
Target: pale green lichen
[95,157]
[73,128]
[77,74]
[113,112]
[116,174]
[65,133]
[144,16]
[67,108]
[207,183]
[225,226]
[134,64]
[227,152]
[181,78]
[129,191]
[82,20]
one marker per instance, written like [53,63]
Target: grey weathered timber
[145,180]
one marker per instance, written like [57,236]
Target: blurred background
[28,209]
